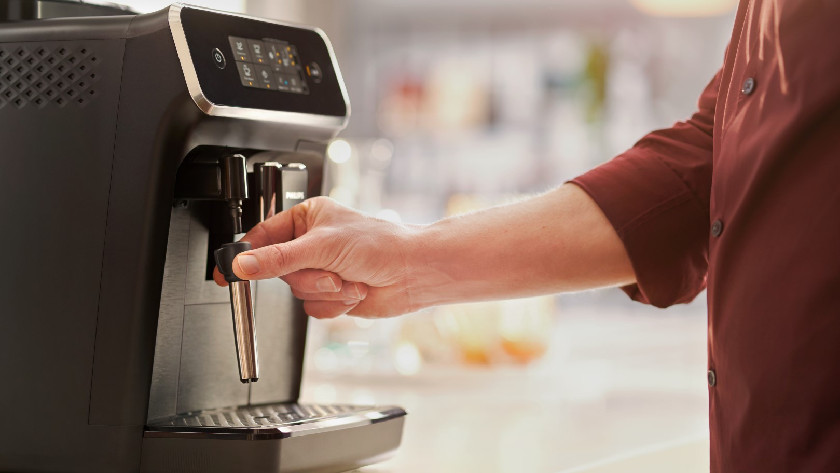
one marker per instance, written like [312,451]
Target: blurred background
[464,104]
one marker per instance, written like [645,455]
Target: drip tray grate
[269,420]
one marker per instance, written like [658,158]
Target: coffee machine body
[116,348]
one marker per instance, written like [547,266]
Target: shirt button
[717,228]
[748,87]
[712,378]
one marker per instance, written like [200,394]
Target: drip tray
[275,438]
[269,421]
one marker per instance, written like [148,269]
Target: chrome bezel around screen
[274,116]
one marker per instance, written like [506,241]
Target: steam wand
[234,190]
[244,330]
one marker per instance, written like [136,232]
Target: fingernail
[351,290]
[351,302]
[248,263]
[326,284]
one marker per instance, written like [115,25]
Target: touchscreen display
[269,64]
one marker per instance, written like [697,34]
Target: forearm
[558,241]
[337,260]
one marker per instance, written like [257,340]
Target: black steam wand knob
[241,306]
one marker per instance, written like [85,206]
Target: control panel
[258,64]
[269,64]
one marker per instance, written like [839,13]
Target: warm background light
[684,8]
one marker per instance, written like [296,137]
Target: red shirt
[745,197]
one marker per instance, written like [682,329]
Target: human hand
[335,259]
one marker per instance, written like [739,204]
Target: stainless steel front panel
[280,337]
[209,369]
[195,364]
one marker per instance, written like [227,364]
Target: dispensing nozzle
[244,330]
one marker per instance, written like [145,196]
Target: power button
[219,58]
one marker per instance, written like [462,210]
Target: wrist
[428,257]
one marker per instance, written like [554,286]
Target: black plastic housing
[95,119]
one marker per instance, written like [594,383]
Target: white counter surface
[619,390]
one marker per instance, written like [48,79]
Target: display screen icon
[239,46]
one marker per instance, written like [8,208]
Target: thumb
[279,259]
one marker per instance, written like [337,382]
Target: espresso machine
[135,149]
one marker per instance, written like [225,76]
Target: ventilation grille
[42,77]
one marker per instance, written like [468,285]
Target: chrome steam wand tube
[242,309]
[243,330]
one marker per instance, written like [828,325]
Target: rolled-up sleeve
[656,196]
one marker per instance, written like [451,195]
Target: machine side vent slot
[37,76]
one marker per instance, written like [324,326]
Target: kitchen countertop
[620,389]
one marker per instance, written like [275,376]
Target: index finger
[278,229]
